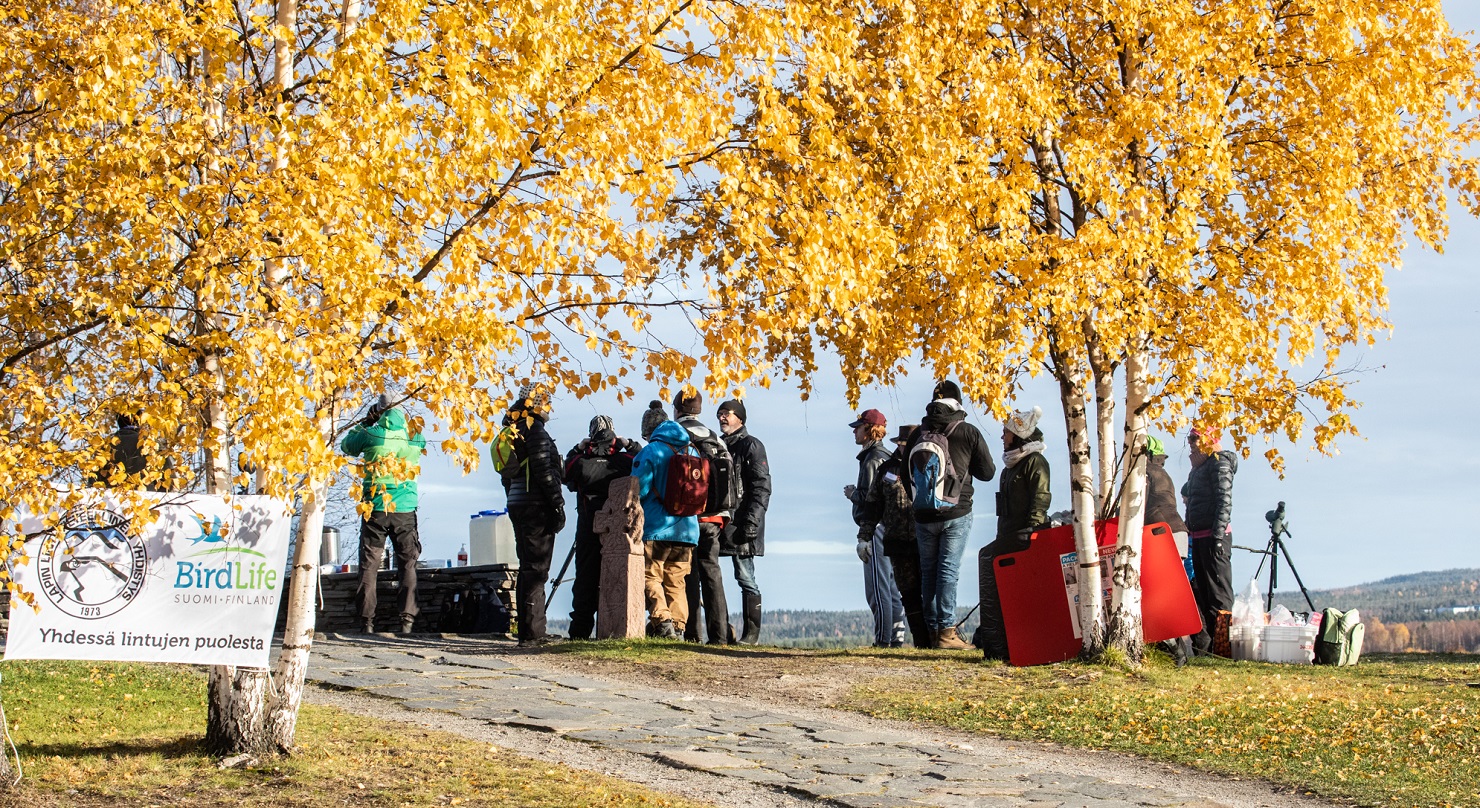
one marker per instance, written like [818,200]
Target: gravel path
[733,751]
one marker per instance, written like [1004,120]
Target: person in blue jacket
[668,541]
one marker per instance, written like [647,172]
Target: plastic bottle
[462,556]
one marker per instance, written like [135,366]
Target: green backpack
[1340,640]
[504,456]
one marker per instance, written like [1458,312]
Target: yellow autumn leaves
[236,229]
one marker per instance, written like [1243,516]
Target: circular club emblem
[95,566]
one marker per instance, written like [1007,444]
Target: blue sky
[1401,499]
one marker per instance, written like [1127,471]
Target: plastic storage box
[1289,645]
[1246,642]
[491,539]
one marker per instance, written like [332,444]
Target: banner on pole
[199,580]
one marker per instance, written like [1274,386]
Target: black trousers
[585,593]
[534,543]
[993,627]
[906,560]
[706,586]
[400,528]
[1212,583]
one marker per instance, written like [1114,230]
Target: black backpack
[724,482]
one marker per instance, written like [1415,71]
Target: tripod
[1272,553]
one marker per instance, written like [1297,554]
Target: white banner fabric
[201,583]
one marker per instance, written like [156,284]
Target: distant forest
[1425,611]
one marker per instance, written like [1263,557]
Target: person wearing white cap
[1022,507]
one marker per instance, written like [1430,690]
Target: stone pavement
[827,761]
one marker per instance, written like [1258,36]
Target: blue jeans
[745,575]
[941,547]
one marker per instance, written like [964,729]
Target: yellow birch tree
[237,219]
[1202,195]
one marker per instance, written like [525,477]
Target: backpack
[504,456]
[724,483]
[936,483]
[1340,640]
[686,490]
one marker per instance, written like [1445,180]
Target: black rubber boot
[752,606]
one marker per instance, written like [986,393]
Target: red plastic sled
[1037,584]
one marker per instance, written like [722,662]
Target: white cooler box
[1289,645]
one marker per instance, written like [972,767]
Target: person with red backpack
[942,459]
[590,467]
[662,472]
[706,583]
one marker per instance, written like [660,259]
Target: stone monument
[619,612]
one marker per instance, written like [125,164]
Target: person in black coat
[536,507]
[744,539]
[942,534]
[1209,496]
[590,468]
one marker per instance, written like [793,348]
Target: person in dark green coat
[1022,507]
[392,454]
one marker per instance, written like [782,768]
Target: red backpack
[686,492]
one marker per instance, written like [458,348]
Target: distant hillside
[1422,596]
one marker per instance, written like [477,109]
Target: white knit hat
[1023,422]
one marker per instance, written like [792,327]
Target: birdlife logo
[223,573]
[94,566]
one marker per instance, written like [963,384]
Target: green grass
[1394,730]
[94,734]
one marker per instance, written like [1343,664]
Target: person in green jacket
[1022,507]
[392,452]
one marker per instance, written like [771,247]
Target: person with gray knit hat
[651,417]
[744,536]
[532,482]
[1022,507]
[706,583]
[590,468]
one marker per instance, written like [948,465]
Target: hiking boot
[751,634]
[407,621]
[367,627]
[668,631]
[949,640]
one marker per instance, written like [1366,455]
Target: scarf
[1012,456]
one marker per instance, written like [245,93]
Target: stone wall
[434,588]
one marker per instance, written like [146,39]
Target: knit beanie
[1154,446]
[1023,422]
[600,424]
[735,407]
[1209,440]
[688,404]
[651,417]
[947,389]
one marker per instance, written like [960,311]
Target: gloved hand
[865,551]
[750,534]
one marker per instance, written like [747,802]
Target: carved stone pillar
[620,613]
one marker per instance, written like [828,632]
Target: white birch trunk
[1082,498]
[1104,374]
[236,718]
[292,662]
[1123,630]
